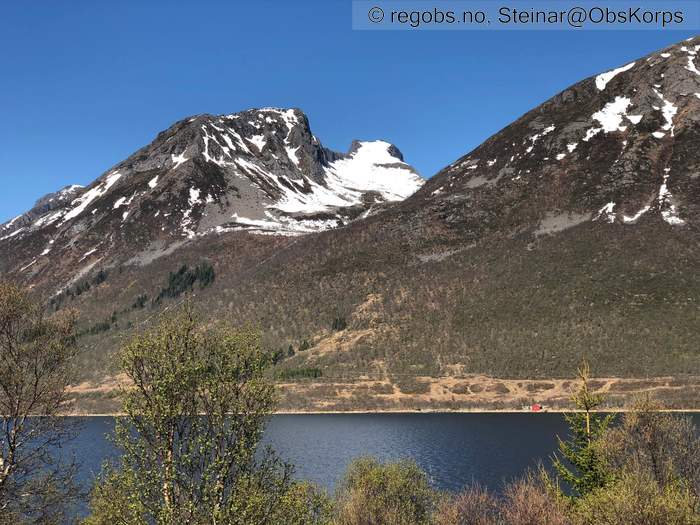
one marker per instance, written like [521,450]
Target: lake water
[454,449]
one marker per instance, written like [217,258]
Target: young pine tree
[578,463]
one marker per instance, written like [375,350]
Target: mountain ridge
[510,262]
[626,125]
[259,170]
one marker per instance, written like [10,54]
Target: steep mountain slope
[619,148]
[259,170]
[572,232]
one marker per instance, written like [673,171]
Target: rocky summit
[260,171]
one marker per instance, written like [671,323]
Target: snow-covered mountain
[260,170]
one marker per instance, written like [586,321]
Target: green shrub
[636,498]
[385,493]
[177,467]
[204,273]
[339,324]
[578,462]
[140,301]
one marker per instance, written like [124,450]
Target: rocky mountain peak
[260,170]
[619,147]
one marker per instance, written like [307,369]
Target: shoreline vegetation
[640,467]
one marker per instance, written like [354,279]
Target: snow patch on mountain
[372,167]
[610,117]
[292,154]
[634,218]
[178,159]
[602,80]
[10,235]
[668,110]
[82,202]
[606,213]
[11,223]
[669,212]
[258,141]
[278,225]
[538,136]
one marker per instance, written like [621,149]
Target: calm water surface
[454,449]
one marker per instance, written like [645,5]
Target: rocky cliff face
[261,171]
[618,148]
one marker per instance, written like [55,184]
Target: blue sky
[84,84]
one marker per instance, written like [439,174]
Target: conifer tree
[578,463]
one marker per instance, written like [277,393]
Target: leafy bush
[473,506]
[384,493]
[636,498]
[177,467]
[528,501]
